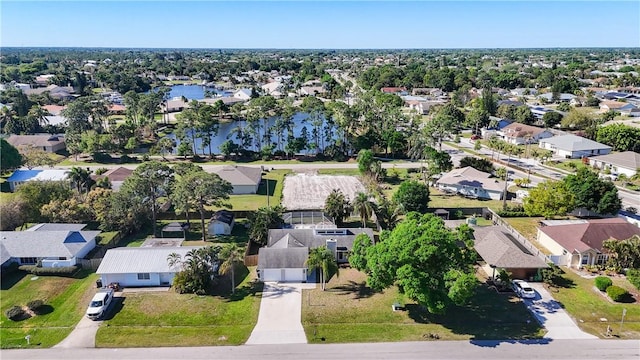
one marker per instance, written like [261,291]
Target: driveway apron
[279,317]
[82,336]
[553,317]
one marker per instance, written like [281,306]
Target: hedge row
[60,271]
[507,213]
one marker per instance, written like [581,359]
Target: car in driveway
[100,303]
[523,289]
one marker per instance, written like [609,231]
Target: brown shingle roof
[497,247]
[116,174]
[517,130]
[590,235]
[40,140]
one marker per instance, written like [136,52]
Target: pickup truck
[100,303]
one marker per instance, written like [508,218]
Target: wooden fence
[90,263]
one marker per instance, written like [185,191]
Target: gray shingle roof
[627,159]
[574,143]
[499,248]
[240,175]
[57,227]
[45,243]
[314,238]
[273,258]
[140,260]
[471,177]
[38,140]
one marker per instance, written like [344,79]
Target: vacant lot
[305,191]
[349,311]
[171,319]
[66,300]
[593,311]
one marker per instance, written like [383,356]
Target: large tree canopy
[549,199]
[412,196]
[10,158]
[425,259]
[593,193]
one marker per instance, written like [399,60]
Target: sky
[320,24]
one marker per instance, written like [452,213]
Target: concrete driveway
[82,336]
[553,317]
[279,317]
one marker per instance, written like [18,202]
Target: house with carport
[48,245]
[578,243]
[573,147]
[141,266]
[284,258]
[626,163]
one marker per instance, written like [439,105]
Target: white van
[99,304]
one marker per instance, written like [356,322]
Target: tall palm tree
[80,178]
[232,255]
[321,258]
[363,206]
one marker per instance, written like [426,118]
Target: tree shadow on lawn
[487,316]
[359,290]
[223,287]
[262,188]
[11,279]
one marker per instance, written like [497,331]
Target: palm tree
[232,255]
[81,178]
[363,206]
[321,258]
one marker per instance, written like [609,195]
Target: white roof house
[21,176]
[54,248]
[244,94]
[140,266]
[471,182]
[573,146]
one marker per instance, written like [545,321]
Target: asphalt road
[493,350]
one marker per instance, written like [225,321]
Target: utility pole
[624,312]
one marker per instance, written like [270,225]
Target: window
[585,259]
[143,276]
[601,259]
[28,260]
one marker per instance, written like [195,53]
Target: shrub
[603,282]
[633,275]
[15,313]
[59,271]
[617,293]
[34,305]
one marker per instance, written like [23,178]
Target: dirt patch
[309,191]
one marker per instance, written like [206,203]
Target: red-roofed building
[116,109]
[395,90]
[580,242]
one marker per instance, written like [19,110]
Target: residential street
[463,350]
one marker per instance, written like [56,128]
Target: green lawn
[439,199]
[351,312]
[67,300]
[570,165]
[250,202]
[588,306]
[170,319]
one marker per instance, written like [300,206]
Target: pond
[195,92]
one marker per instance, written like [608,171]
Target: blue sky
[321,24]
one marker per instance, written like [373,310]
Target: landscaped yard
[250,202]
[589,307]
[351,312]
[170,319]
[67,300]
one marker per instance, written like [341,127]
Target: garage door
[295,275]
[271,274]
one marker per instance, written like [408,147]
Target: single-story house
[573,146]
[140,266]
[245,179]
[55,91]
[579,242]
[221,223]
[618,106]
[274,88]
[516,133]
[175,104]
[46,142]
[53,245]
[499,249]
[287,250]
[401,91]
[627,162]
[471,182]
[243,94]
[227,100]
[423,107]
[116,176]
[21,176]
[54,109]
[561,97]
[312,90]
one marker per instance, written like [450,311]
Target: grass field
[171,319]
[349,311]
[250,202]
[588,307]
[66,300]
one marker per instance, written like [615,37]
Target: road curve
[493,350]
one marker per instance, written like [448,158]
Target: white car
[523,289]
[99,304]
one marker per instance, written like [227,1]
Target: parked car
[100,303]
[475,137]
[523,289]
